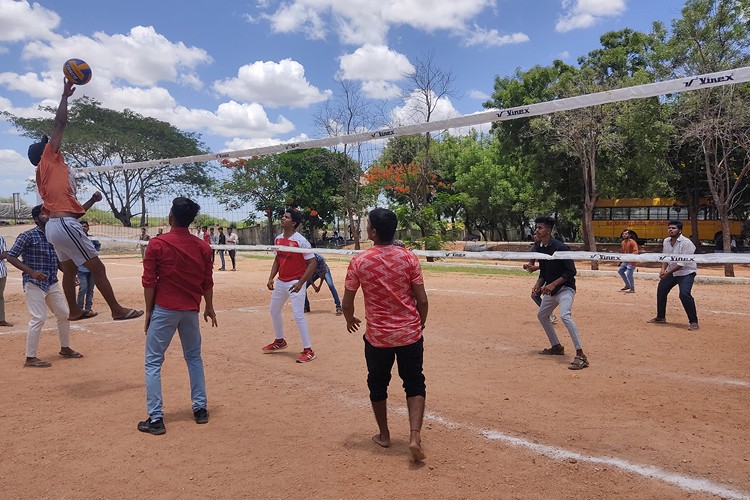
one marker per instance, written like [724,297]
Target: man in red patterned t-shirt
[396,311]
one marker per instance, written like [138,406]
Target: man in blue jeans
[323,272]
[677,271]
[85,278]
[177,272]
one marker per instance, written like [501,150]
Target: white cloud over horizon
[580,14]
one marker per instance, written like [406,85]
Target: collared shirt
[683,246]
[232,239]
[35,251]
[3,268]
[292,265]
[550,270]
[178,265]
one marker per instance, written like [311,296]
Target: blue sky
[245,74]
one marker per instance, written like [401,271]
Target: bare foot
[415,447]
[383,440]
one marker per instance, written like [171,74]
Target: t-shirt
[629,246]
[386,274]
[56,184]
[292,264]
[683,246]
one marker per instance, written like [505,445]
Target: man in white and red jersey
[396,311]
[294,270]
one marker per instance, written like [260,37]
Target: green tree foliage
[97,136]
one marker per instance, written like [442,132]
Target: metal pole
[16,206]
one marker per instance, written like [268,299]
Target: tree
[97,136]
[712,36]
[347,114]
[428,86]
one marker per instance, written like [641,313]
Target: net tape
[709,80]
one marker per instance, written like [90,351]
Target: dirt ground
[661,413]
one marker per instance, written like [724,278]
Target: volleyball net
[220,216]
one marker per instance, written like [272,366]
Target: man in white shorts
[57,188]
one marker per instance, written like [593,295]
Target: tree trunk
[270,229]
[726,238]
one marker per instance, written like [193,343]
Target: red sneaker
[274,346]
[306,356]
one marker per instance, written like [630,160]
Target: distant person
[177,273]
[294,270]
[557,285]
[36,258]
[627,269]
[85,278]
[159,232]
[680,273]
[213,239]
[57,188]
[143,237]
[3,279]
[396,308]
[232,240]
[322,272]
[222,240]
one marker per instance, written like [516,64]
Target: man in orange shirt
[627,269]
[57,188]
[396,310]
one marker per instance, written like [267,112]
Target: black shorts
[380,362]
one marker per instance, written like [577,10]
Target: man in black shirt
[557,285]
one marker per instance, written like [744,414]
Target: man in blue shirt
[39,264]
[557,285]
[322,272]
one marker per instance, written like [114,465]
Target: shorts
[69,240]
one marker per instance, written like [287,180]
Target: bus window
[639,213]
[658,213]
[601,213]
[678,213]
[620,213]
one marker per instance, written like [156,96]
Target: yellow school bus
[647,218]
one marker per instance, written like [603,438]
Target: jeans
[233,256]
[331,287]
[221,256]
[686,286]
[85,290]
[626,273]
[563,298]
[161,329]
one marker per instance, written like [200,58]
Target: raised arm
[61,117]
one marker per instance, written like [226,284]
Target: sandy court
[661,412]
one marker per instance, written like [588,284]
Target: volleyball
[77,71]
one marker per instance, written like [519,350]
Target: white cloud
[492,38]
[272,84]
[374,62]
[142,57]
[380,89]
[564,55]
[479,95]
[24,21]
[238,144]
[414,111]
[579,14]
[16,170]
[358,22]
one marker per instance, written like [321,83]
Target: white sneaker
[553,318]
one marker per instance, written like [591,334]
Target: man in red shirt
[177,272]
[396,310]
[57,188]
[294,270]
[627,269]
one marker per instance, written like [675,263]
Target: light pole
[16,206]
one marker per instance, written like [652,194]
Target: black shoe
[307,309]
[201,416]
[155,427]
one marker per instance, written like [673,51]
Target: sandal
[71,354]
[555,350]
[131,314]
[579,363]
[86,315]
[657,320]
[37,363]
